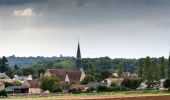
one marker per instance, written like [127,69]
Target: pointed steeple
[78,57]
[78,52]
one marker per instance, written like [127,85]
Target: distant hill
[27,61]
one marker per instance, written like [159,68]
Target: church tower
[78,58]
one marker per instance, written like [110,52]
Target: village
[74,81]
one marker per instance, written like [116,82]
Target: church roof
[73,75]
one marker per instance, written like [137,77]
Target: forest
[37,65]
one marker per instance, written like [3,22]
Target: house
[2,86]
[129,75]
[22,78]
[111,80]
[66,75]
[33,86]
[17,89]
[5,78]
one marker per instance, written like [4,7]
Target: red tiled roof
[73,75]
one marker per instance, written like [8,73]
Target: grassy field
[86,96]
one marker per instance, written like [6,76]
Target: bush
[3,93]
[131,83]
[57,87]
[167,84]
[88,78]
[91,89]
[113,84]
[75,90]
[17,83]
[101,88]
[8,84]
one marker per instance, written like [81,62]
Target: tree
[141,68]
[17,83]
[167,84]
[50,83]
[152,72]
[120,70]
[4,68]
[131,83]
[88,78]
[16,67]
[162,67]
[18,72]
[104,75]
[169,67]
[90,69]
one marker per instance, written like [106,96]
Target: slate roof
[73,75]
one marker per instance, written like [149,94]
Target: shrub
[131,83]
[167,84]
[3,93]
[113,84]
[101,88]
[88,78]
[17,83]
[91,89]
[75,90]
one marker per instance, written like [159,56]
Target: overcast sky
[114,28]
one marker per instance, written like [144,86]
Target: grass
[100,93]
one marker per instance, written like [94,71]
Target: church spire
[78,57]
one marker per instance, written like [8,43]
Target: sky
[114,28]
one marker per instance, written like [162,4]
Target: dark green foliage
[167,83]
[162,67]
[17,83]
[51,83]
[57,87]
[3,93]
[75,90]
[120,70]
[169,67]
[88,78]
[8,84]
[103,64]
[113,84]
[105,74]
[101,88]
[141,68]
[131,83]
[4,67]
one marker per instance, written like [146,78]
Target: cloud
[19,2]
[26,12]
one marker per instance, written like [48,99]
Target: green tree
[104,75]
[88,78]
[4,67]
[50,83]
[167,84]
[131,83]
[120,70]
[148,71]
[141,68]
[152,72]
[17,83]
[169,67]
[162,67]
[90,69]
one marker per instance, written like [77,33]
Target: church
[75,75]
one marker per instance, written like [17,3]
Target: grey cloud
[19,2]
